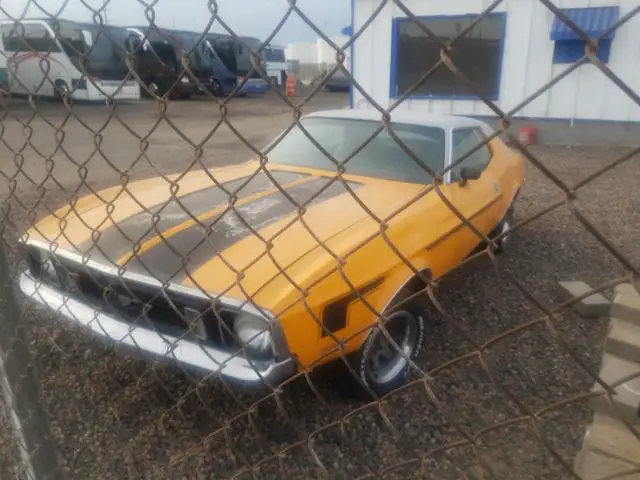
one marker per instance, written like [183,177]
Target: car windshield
[382,157]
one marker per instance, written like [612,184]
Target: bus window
[28,37]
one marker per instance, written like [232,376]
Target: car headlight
[254,334]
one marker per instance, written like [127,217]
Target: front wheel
[381,366]
[60,90]
[504,229]
[153,89]
[216,88]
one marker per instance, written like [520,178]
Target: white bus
[84,59]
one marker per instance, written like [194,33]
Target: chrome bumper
[167,347]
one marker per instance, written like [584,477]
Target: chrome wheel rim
[384,361]
[505,232]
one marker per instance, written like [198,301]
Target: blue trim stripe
[592,21]
[395,33]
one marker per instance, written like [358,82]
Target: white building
[512,53]
[319,52]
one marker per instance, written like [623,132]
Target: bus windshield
[225,50]
[274,54]
[105,57]
[244,57]
[190,43]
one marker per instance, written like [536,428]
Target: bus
[54,57]
[237,59]
[277,66]
[166,46]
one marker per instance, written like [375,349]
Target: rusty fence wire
[167,314]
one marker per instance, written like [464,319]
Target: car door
[476,200]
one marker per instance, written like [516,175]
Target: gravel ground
[115,416]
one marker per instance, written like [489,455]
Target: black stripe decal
[198,245]
[334,315]
[118,241]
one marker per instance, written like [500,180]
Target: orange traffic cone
[291,85]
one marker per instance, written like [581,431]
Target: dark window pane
[28,37]
[570,51]
[274,54]
[382,157]
[478,55]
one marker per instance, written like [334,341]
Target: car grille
[141,305]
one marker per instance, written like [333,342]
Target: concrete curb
[609,448]
[593,306]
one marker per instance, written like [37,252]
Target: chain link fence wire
[500,390]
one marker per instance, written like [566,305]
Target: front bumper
[180,350]
[254,86]
[188,88]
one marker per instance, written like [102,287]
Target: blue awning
[348,31]
[593,21]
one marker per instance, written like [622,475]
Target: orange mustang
[258,271]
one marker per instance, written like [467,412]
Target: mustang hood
[206,232]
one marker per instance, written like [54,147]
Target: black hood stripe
[118,241]
[200,244]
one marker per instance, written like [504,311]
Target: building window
[570,51]
[478,55]
[569,46]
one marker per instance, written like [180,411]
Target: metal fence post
[20,388]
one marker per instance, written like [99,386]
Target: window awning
[593,21]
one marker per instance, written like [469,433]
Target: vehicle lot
[119,417]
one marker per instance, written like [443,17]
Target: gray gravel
[114,416]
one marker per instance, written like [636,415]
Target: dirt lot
[118,417]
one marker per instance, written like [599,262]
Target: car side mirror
[470,172]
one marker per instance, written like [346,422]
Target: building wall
[319,52]
[302,52]
[527,62]
[327,54]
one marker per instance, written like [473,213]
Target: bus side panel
[130,90]
[36,73]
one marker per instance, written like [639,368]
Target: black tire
[152,87]
[216,89]
[504,226]
[60,90]
[367,384]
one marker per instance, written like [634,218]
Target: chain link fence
[165,315]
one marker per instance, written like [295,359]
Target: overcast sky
[257,18]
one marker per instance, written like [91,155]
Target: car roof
[430,120]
